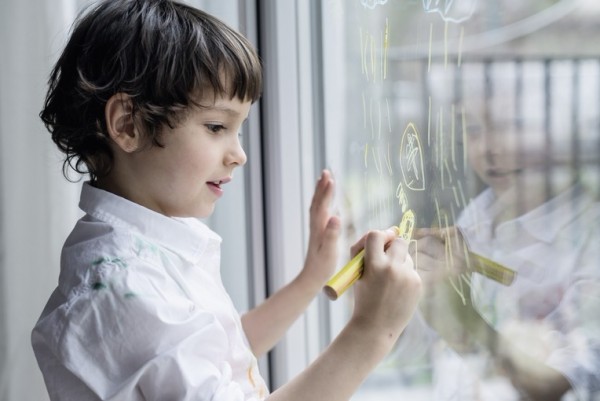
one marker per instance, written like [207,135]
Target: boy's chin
[205,213]
[200,213]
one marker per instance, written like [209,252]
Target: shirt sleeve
[147,341]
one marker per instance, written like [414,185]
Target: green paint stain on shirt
[116,261]
[98,261]
[144,246]
[119,262]
[98,286]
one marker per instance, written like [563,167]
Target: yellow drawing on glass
[411,159]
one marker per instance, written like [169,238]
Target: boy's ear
[120,124]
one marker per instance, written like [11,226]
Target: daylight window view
[476,123]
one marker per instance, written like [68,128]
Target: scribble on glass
[411,159]
[372,3]
[407,225]
[388,160]
[386,45]
[373,53]
[451,10]
[402,198]
[376,160]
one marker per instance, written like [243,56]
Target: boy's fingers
[323,189]
[332,229]
[440,233]
[398,249]
[331,235]
[358,246]
[321,201]
[386,237]
[375,243]
[319,208]
[432,246]
[426,263]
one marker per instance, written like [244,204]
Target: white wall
[37,205]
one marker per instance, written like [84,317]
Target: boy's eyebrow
[225,109]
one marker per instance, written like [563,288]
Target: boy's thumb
[441,233]
[333,224]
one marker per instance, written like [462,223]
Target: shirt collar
[544,222]
[187,237]
[548,220]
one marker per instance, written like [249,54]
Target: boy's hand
[389,289]
[443,263]
[321,256]
[439,254]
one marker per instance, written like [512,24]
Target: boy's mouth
[496,173]
[217,183]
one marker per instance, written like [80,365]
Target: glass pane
[229,218]
[476,122]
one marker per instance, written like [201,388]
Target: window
[482,116]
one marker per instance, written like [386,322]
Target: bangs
[188,55]
[221,60]
[241,72]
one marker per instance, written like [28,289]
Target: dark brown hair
[160,53]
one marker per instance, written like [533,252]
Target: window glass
[477,123]
[229,218]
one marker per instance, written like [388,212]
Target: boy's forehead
[223,103]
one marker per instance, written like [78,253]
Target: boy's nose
[495,142]
[236,155]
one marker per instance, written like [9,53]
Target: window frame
[294,150]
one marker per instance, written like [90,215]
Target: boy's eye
[215,128]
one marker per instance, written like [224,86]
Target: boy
[148,98]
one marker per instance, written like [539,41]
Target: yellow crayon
[352,271]
[487,267]
[493,270]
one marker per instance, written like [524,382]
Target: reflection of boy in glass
[541,333]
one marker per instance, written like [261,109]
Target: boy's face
[503,156]
[188,175]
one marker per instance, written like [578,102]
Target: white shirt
[555,250]
[140,312]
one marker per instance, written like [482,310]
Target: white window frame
[292,163]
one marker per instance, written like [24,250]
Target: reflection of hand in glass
[520,349]
[445,269]
[431,250]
